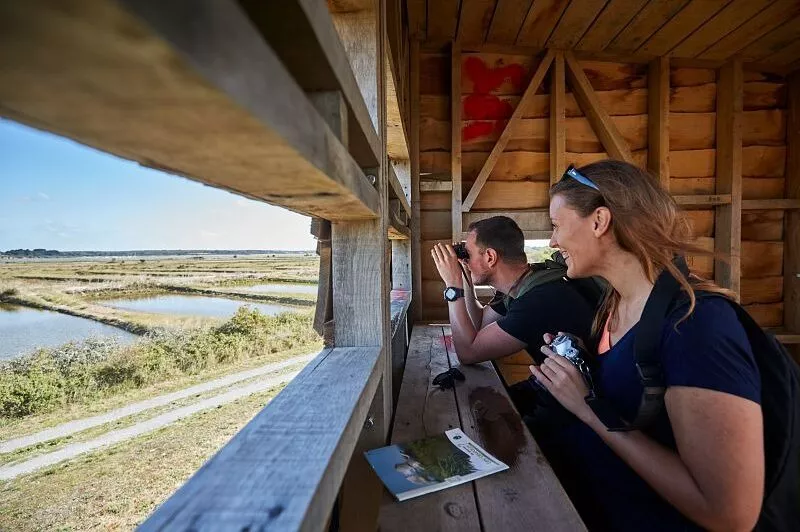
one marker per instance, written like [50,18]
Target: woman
[701,463]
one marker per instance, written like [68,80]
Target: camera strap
[647,356]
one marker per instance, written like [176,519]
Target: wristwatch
[451,293]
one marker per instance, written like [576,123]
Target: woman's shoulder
[710,349]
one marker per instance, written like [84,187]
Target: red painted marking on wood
[485,79]
[486,107]
[475,130]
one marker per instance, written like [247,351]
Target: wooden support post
[505,136]
[728,223]
[558,119]
[455,139]
[791,246]
[332,108]
[401,249]
[658,119]
[361,269]
[416,235]
[601,122]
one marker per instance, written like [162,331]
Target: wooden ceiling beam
[306,40]
[189,99]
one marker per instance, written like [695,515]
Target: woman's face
[575,237]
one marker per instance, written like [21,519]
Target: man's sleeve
[496,304]
[526,319]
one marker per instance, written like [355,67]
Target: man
[523,308]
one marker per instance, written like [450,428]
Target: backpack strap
[646,353]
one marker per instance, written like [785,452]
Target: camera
[461,250]
[569,347]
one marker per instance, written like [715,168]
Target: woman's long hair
[645,221]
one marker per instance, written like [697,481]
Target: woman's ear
[601,221]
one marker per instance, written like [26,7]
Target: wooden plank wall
[491,85]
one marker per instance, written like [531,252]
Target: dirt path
[116,436]
[71,427]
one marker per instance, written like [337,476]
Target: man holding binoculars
[530,299]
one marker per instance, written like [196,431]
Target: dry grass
[118,488]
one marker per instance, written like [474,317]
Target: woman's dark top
[709,350]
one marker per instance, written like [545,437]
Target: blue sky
[57,194]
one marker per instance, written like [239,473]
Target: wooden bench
[526,497]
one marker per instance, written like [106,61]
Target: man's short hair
[503,235]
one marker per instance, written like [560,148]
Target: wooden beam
[435,186]
[398,191]
[305,39]
[505,136]
[558,119]
[416,234]
[791,256]
[396,137]
[532,220]
[455,136]
[658,119]
[777,204]
[601,122]
[703,200]
[728,223]
[263,478]
[184,98]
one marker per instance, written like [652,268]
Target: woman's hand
[563,381]
[444,256]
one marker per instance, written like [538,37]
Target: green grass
[117,488]
[88,371]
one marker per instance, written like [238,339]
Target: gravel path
[71,427]
[116,436]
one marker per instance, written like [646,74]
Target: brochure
[412,469]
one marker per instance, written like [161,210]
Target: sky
[58,194]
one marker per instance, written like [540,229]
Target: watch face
[450,293]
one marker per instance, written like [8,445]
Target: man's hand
[444,256]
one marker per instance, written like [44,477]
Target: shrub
[78,371]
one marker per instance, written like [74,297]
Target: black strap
[646,353]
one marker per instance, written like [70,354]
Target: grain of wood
[558,132]
[424,410]
[157,109]
[791,265]
[606,130]
[540,21]
[688,19]
[614,17]
[762,224]
[644,24]
[455,149]
[489,418]
[442,20]
[483,175]
[265,468]
[728,236]
[762,290]
[720,25]
[658,120]
[508,18]
[476,15]
[574,23]
[753,29]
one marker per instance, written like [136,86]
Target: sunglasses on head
[580,178]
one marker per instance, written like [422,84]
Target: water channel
[281,288]
[24,329]
[215,307]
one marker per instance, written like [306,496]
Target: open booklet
[412,469]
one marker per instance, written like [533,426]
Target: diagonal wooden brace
[601,122]
[505,136]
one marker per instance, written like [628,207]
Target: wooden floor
[526,497]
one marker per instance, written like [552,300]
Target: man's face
[481,270]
